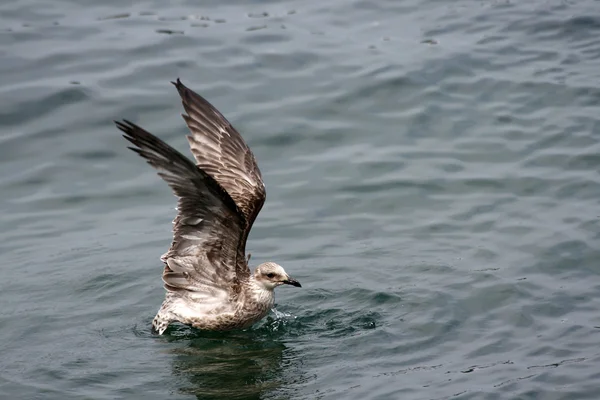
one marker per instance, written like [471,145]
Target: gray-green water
[432,177]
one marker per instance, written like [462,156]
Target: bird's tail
[162,320]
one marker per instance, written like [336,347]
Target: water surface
[432,178]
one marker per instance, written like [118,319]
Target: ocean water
[432,171]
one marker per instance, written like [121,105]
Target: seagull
[206,275]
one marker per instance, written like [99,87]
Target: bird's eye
[270,275]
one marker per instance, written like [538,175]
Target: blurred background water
[432,177]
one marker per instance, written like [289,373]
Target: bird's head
[270,275]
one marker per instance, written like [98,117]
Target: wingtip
[177,83]
[121,126]
[125,126]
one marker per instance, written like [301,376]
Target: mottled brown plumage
[209,284]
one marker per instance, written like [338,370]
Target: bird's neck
[259,292]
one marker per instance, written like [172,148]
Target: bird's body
[217,313]
[209,284]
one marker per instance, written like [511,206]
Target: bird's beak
[293,282]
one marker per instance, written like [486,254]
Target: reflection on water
[234,365]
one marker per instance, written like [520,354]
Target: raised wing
[208,227]
[221,152]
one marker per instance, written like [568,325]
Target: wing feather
[208,227]
[221,152]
